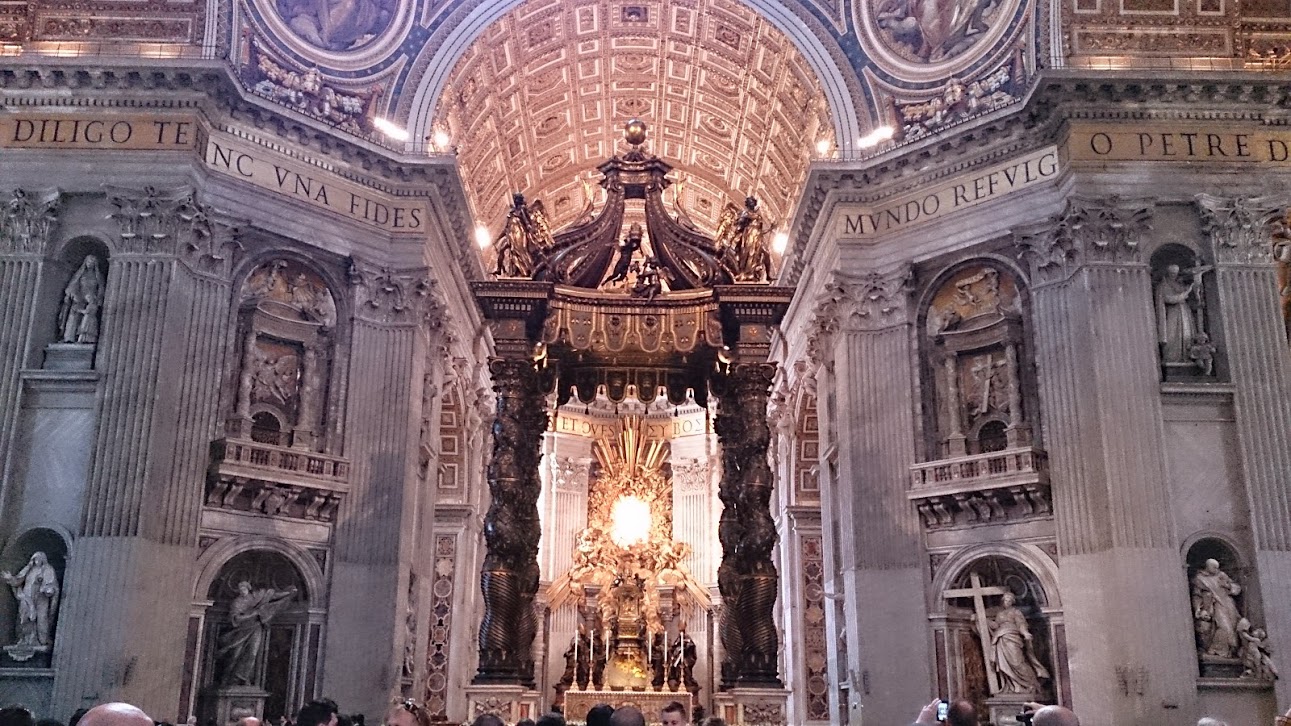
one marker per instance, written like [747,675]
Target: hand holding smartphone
[943,710]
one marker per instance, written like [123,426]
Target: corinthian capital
[394,296]
[1107,230]
[27,220]
[1242,228]
[875,300]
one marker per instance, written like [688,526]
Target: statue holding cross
[1012,666]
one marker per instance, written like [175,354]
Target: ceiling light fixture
[441,139]
[875,137]
[822,147]
[482,237]
[398,133]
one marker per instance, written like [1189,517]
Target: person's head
[1009,599]
[551,719]
[245,721]
[599,715]
[48,722]
[627,716]
[77,715]
[1212,566]
[525,722]
[714,721]
[961,712]
[1055,716]
[16,716]
[1208,721]
[115,714]
[487,719]
[406,713]
[674,714]
[316,713]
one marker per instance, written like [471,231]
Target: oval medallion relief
[921,39]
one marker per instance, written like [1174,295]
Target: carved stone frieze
[27,220]
[394,296]
[1107,231]
[277,481]
[441,620]
[1241,229]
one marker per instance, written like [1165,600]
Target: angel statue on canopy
[741,244]
[525,238]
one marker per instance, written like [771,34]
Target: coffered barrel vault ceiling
[539,99]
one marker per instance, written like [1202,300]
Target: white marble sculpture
[1176,321]
[250,615]
[1214,611]
[78,317]
[36,589]
[1257,663]
[1011,653]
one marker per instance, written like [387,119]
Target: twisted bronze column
[747,577]
[509,578]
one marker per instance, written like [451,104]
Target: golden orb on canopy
[634,131]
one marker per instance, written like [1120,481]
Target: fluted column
[394,311]
[1125,602]
[26,221]
[160,352]
[887,628]
[1260,368]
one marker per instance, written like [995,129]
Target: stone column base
[510,703]
[227,704]
[753,706]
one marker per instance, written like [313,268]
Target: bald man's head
[627,716]
[1055,716]
[115,714]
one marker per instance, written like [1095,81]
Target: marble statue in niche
[1214,611]
[240,647]
[1183,342]
[78,316]
[338,24]
[36,588]
[1011,653]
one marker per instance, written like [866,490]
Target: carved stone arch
[1029,556]
[213,560]
[331,274]
[1235,550]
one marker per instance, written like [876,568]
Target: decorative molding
[441,620]
[392,296]
[876,300]
[1241,229]
[27,220]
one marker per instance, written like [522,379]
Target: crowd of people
[409,713]
[963,713]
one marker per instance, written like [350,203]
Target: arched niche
[287,348]
[1186,327]
[977,387]
[261,629]
[988,600]
[15,558]
[1227,620]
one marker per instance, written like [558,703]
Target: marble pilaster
[26,221]
[1125,604]
[394,312]
[1247,282]
[160,352]
[886,625]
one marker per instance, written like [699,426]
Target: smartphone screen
[943,710]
